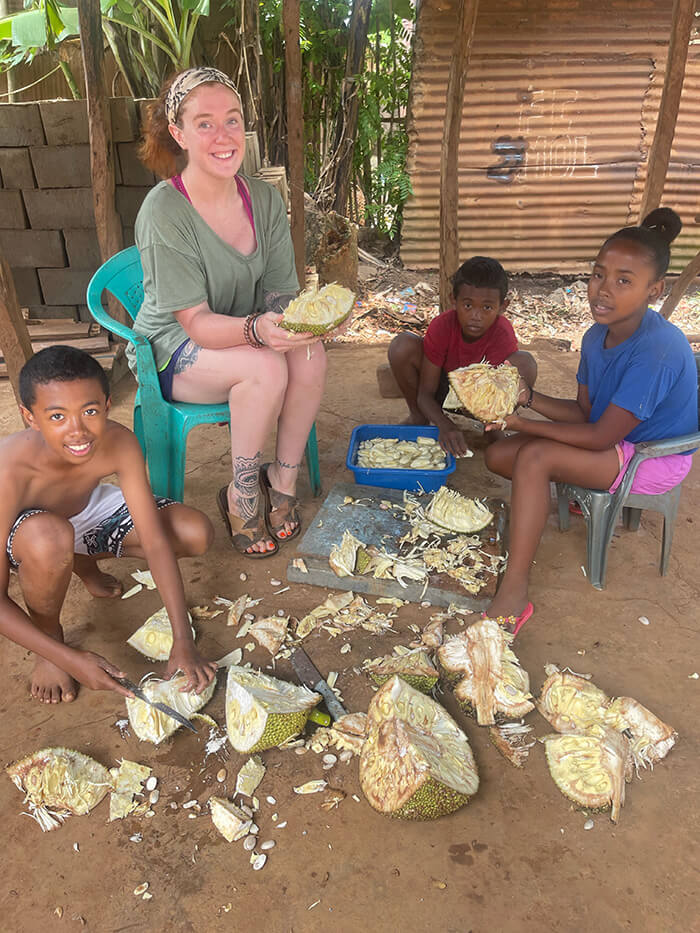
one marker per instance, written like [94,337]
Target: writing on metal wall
[547,144]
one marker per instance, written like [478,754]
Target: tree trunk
[346,123]
[295,131]
[14,337]
[449,156]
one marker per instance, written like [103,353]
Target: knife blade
[156,704]
[311,677]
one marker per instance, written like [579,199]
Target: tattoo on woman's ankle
[287,466]
[246,483]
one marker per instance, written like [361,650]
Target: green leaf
[29,29]
[200,7]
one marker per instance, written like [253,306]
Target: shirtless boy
[58,518]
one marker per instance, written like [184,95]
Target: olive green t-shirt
[185,263]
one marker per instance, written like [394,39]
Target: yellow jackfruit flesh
[485,673]
[262,711]
[415,667]
[317,311]
[232,823]
[154,638]
[150,724]
[490,393]
[455,512]
[571,703]
[590,769]
[416,762]
[58,781]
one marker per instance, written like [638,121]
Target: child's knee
[44,540]
[405,349]
[526,365]
[191,531]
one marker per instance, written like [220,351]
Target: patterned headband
[186,82]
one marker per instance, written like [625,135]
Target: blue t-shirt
[652,375]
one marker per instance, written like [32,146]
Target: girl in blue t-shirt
[637,381]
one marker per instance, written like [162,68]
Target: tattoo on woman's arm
[274,301]
[246,483]
[187,357]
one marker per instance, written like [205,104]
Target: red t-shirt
[445,346]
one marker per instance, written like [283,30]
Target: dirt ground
[516,858]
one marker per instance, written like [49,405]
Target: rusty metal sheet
[559,112]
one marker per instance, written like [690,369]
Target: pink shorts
[653,476]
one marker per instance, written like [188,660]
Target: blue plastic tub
[429,480]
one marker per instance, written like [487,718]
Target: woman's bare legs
[532,463]
[254,382]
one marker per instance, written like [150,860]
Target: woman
[218,267]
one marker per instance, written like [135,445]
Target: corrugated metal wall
[559,111]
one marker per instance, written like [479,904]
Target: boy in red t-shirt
[472,331]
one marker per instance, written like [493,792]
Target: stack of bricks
[47,224]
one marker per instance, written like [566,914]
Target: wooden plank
[99,343]
[109,228]
[679,287]
[449,154]
[58,329]
[105,359]
[682,19]
[295,131]
[14,339]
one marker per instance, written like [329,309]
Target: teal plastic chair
[161,427]
[602,509]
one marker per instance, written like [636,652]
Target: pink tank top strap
[179,185]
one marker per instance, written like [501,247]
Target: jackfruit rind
[154,638]
[490,393]
[651,740]
[590,769]
[148,723]
[61,780]
[455,512]
[262,711]
[415,668]
[416,762]
[318,311]
[485,674]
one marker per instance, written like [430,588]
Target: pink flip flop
[517,621]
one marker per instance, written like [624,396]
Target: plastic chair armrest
[672,445]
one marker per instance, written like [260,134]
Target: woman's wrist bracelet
[250,334]
[254,329]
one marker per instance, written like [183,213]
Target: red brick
[21,125]
[16,168]
[32,248]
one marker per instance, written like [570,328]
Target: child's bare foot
[97,583]
[52,685]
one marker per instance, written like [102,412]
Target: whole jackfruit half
[150,724]
[485,673]
[318,311]
[490,393]
[154,638]
[415,668]
[60,780]
[454,512]
[416,762]
[262,711]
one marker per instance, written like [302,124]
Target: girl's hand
[279,339]
[97,673]
[198,671]
[509,423]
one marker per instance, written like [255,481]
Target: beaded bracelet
[254,330]
[249,334]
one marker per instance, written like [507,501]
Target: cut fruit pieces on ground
[415,667]
[150,724]
[154,638]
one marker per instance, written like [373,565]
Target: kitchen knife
[162,707]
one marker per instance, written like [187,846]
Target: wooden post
[109,228]
[14,337]
[682,19]
[295,131]
[449,156]
[680,285]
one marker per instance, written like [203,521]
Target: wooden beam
[682,19]
[14,338]
[295,131]
[680,286]
[449,155]
[109,228]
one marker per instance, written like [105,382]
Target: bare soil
[516,858]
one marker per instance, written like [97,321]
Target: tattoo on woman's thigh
[187,357]
[246,482]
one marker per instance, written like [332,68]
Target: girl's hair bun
[665,222]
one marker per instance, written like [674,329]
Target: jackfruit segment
[590,769]
[455,512]
[317,311]
[149,724]
[485,673]
[415,668]
[490,393]
[154,638]
[262,711]
[416,762]
[127,780]
[231,822]
[651,740]
[57,781]
[250,776]
[393,453]
[343,556]
[571,703]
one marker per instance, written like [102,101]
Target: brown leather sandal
[244,534]
[280,508]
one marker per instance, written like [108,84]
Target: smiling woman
[218,269]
